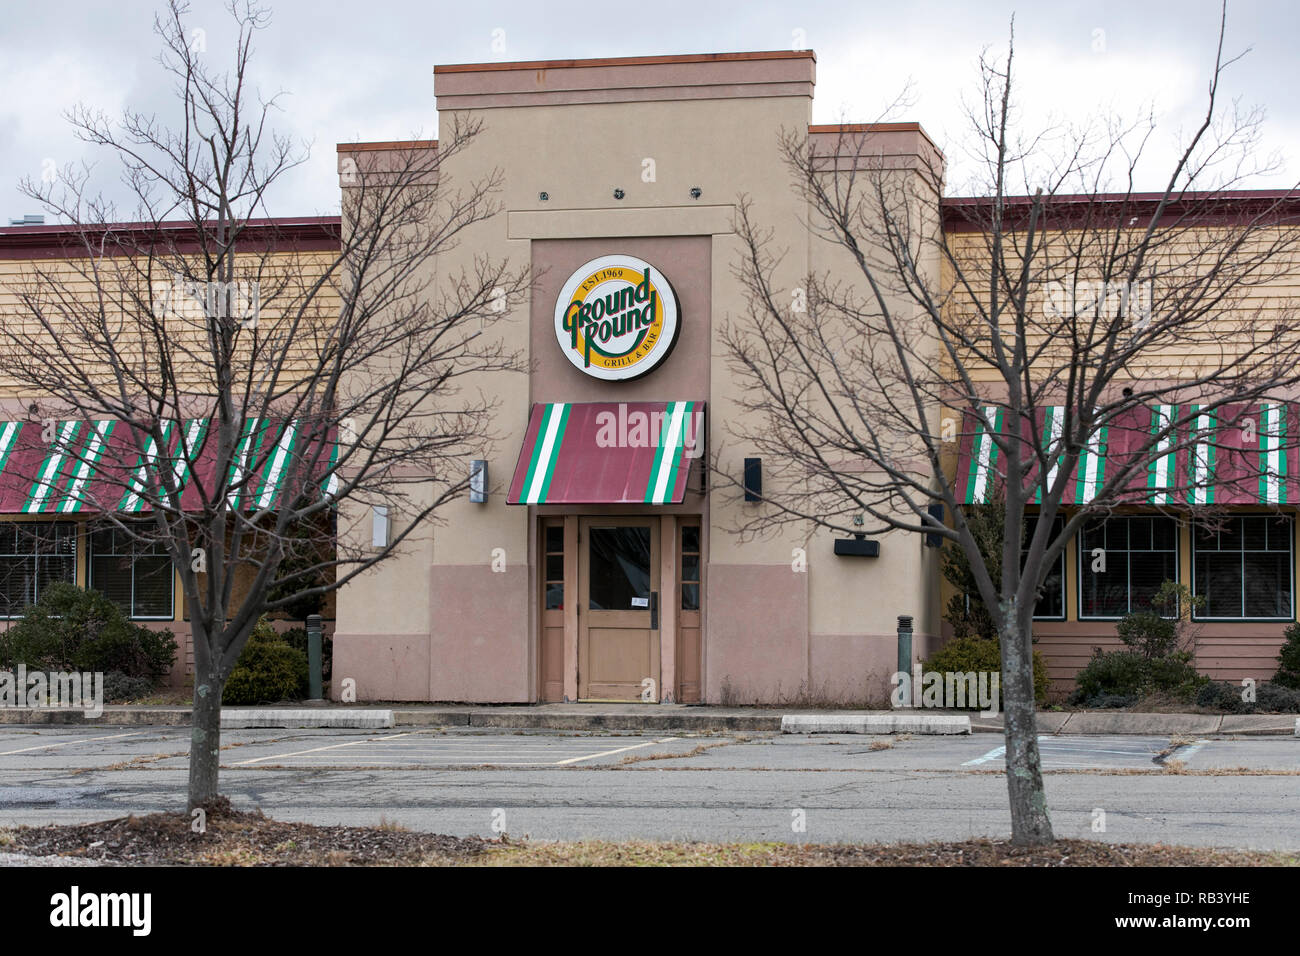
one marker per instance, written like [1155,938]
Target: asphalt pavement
[1208,791]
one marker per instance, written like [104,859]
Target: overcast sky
[364,70]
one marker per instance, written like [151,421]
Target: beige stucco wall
[457,626]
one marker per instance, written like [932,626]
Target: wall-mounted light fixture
[478,480]
[857,546]
[379,526]
[932,538]
[753,479]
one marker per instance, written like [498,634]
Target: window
[1051,604]
[33,555]
[1242,567]
[1123,562]
[134,575]
[554,571]
[690,567]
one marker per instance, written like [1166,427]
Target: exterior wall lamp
[379,526]
[753,479]
[478,480]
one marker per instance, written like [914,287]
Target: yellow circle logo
[616,318]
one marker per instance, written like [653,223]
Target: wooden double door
[616,568]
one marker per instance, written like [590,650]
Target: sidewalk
[653,718]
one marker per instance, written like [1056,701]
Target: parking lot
[549,785]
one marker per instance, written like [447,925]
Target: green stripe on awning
[546,449]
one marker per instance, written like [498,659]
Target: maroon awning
[1235,454]
[608,453]
[69,467]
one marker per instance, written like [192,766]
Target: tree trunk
[1030,825]
[205,740]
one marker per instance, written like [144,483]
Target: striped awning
[1233,455]
[70,467]
[608,453]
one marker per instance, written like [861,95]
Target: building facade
[593,557]
[602,565]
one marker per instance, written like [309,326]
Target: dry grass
[967,853]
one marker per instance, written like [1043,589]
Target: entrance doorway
[618,608]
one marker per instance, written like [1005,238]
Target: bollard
[313,656]
[905,647]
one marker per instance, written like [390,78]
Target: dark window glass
[1254,534]
[690,597]
[1051,600]
[135,575]
[690,567]
[620,568]
[555,567]
[1140,553]
[691,538]
[1243,568]
[34,555]
[555,538]
[555,596]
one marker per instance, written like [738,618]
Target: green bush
[1155,661]
[1288,671]
[121,689]
[1270,698]
[268,670]
[963,654]
[1130,676]
[70,628]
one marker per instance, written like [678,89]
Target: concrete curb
[649,718]
[331,718]
[875,724]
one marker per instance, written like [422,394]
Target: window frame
[130,612]
[1065,591]
[76,545]
[1290,520]
[1079,563]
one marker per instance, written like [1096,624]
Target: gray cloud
[365,70]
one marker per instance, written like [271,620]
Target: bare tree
[926,337]
[247,394]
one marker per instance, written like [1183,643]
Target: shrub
[1269,698]
[964,654]
[1130,675]
[1288,671]
[1156,660]
[121,689]
[268,670]
[70,628]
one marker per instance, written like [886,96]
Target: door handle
[654,610]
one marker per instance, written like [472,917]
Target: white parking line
[610,753]
[79,740]
[299,753]
[997,753]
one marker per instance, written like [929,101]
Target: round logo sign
[616,318]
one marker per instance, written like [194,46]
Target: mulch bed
[236,838]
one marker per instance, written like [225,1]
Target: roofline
[1200,208]
[62,240]
[624,61]
[875,128]
[388,144]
